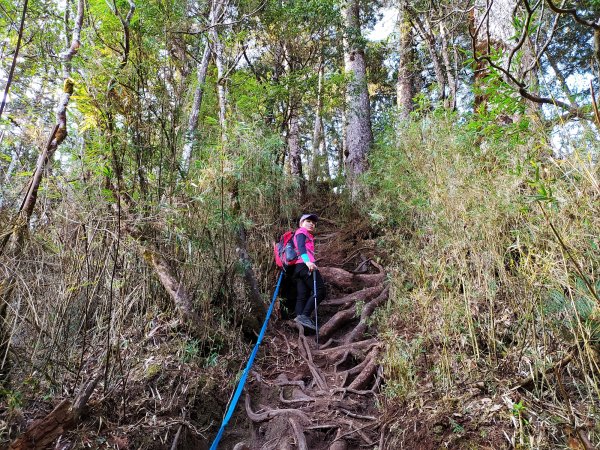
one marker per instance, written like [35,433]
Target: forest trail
[303,397]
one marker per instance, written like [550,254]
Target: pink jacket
[310,245]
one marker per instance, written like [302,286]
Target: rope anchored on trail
[242,382]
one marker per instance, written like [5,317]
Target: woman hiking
[304,268]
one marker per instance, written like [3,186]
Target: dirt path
[303,397]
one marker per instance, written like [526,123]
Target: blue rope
[242,382]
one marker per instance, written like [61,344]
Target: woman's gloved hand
[311,266]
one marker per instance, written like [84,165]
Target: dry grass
[85,302]
[485,290]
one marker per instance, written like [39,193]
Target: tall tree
[13,65]
[512,38]
[201,70]
[359,136]
[405,86]
[494,28]
[320,161]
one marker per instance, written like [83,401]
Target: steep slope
[320,397]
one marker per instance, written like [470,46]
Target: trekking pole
[316,314]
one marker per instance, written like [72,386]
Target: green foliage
[393,202]
[456,427]
[575,310]
[190,351]
[13,399]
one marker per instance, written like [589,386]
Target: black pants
[305,300]
[287,292]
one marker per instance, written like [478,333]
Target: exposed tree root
[364,295]
[367,372]
[365,314]
[343,317]
[270,413]
[335,352]
[300,397]
[345,280]
[337,321]
[299,434]
[322,398]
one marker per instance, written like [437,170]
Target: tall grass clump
[495,249]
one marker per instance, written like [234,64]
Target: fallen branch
[527,383]
[42,432]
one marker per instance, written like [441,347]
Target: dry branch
[42,432]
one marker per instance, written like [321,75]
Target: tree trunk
[359,136]
[562,81]
[195,112]
[176,290]
[14,158]
[15,58]
[427,34]
[342,145]
[452,77]
[405,87]
[294,149]
[218,50]
[320,165]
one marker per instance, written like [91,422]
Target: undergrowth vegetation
[87,300]
[494,248]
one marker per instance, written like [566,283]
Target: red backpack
[285,251]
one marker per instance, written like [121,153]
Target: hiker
[303,269]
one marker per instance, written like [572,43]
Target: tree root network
[322,398]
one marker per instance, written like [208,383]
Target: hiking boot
[306,322]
